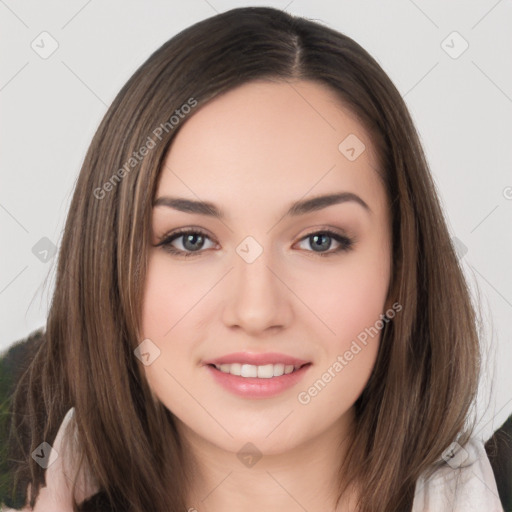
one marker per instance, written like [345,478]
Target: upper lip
[257,359]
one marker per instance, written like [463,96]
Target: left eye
[324,238]
[192,242]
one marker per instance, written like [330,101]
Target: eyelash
[346,244]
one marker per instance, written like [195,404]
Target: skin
[253,151]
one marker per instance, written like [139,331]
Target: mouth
[266,371]
[256,381]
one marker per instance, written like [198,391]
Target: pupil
[325,239]
[191,238]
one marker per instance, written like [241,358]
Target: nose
[258,299]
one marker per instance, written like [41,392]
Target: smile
[251,381]
[266,371]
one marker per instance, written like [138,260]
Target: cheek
[350,304]
[361,302]
[155,292]
[167,297]
[164,304]
[350,297]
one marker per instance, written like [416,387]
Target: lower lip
[253,387]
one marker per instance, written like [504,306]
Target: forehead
[274,142]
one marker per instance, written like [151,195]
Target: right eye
[192,241]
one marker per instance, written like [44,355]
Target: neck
[304,478]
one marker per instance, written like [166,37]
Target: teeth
[266,371]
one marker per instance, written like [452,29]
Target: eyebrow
[297,208]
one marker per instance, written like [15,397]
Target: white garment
[56,496]
[467,484]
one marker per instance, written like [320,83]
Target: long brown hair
[419,397]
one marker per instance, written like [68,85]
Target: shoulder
[463,482]
[61,467]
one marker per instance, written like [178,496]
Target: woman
[258,305]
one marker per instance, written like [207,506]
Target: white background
[461,106]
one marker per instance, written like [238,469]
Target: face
[276,288]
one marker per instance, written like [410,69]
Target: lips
[261,386]
[256,359]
